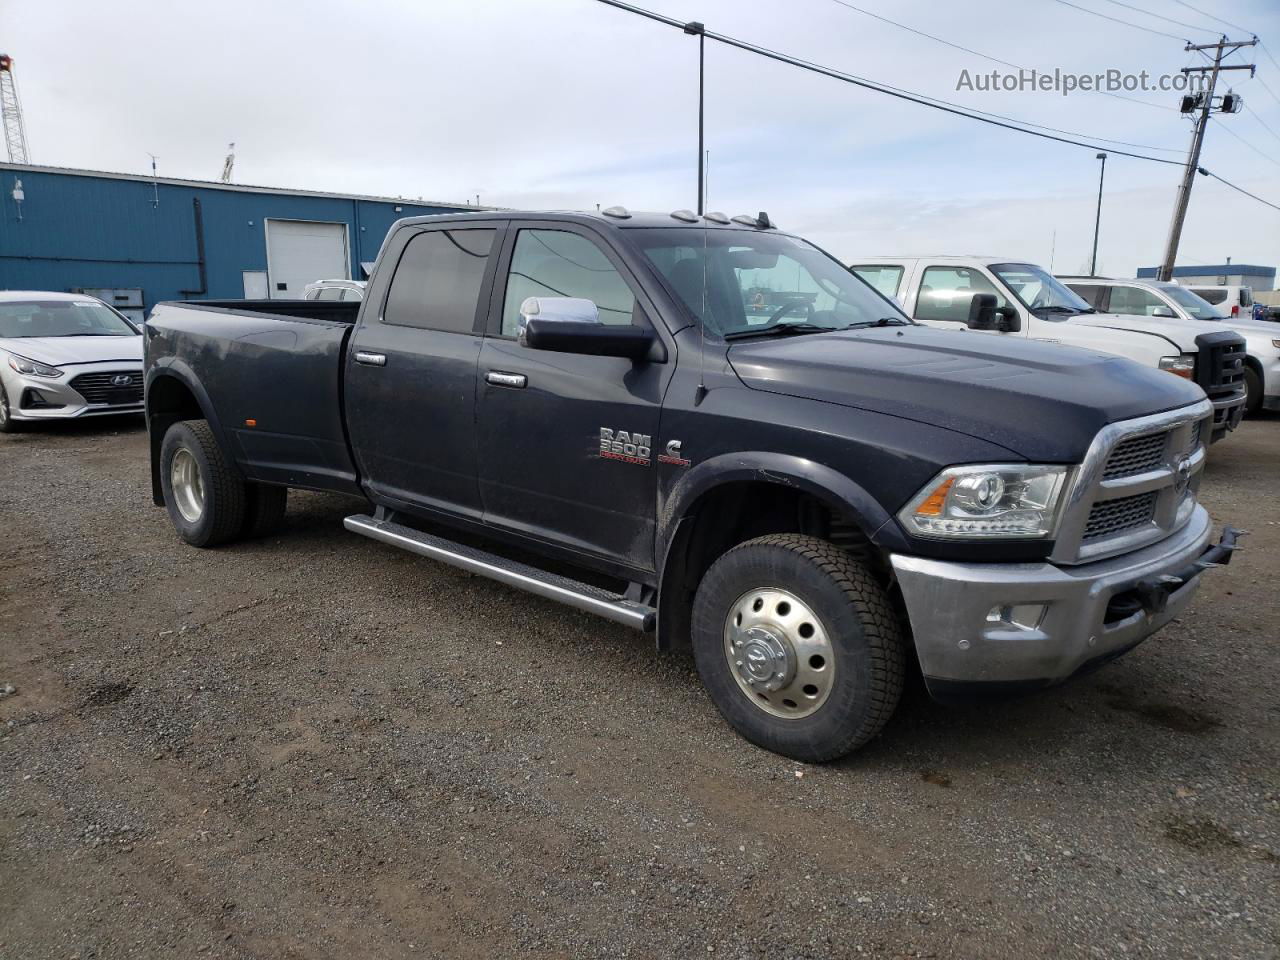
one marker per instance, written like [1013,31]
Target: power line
[984,56]
[1263,48]
[1264,123]
[1160,16]
[945,106]
[1127,23]
[1266,88]
[1212,17]
[1266,156]
[1210,173]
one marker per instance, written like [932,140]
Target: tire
[219,515]
[849,619]
[264,509]
[1253,392]
[7,423]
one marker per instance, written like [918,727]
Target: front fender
[173,368]
[830,486]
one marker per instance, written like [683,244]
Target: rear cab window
[886,278]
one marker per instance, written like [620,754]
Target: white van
[942,291]
[1231,300]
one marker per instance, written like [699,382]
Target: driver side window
[557,263]
[946,292]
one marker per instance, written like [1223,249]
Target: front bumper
[1090,613]
[42,398]
[1227,413]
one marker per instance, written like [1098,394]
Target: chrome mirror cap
[557,310]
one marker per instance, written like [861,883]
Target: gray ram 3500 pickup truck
[712,431]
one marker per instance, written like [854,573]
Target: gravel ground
[315,746]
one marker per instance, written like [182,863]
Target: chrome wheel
[779,653]
[4,407]
[188,487]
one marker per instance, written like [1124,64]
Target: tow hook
[1153,592]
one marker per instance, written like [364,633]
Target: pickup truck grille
[1115,516]
[1220,373]
[1137,484]
[108,389]
[1136,455]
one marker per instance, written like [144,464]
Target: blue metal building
[134,238]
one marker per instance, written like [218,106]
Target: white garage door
[303,251]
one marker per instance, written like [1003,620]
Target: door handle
[371,359]
[500,379]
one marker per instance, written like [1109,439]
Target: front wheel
[7,423]
[203,491]
[1252,392]
[798,646]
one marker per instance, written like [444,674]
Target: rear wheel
[798,646]
[203,491]
[1253,392]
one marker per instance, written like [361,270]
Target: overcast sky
[570,103]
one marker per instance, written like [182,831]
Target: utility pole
[1204,101]
[1097,221]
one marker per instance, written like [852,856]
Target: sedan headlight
[1183,365]
[33,368]
[990,501]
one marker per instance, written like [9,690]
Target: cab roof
[634,219]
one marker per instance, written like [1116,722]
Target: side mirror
[985,315]
[572,325]
[1166,312]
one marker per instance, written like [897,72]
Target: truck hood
[1179,332]
[67,351]
[1044,402]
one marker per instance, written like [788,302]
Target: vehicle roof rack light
[617,212]
[687,216]
[715,216]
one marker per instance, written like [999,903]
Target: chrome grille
[1136,455]
[1136,485]
[1110,517]
[98,388]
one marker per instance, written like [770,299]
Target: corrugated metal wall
[74,230]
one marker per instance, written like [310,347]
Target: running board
[595,600]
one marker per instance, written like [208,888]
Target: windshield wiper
[778,329]
[882,322]
[1055,308]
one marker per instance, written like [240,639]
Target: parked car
[1031,304]
[1155,298]
[334,290]
[65,355]
[593,408]
[1232,300]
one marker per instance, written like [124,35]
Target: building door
[255,284]
[301,252]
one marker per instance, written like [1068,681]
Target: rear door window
[437,282]
[329,293]
[1094,294]
[886,278]
[946,293]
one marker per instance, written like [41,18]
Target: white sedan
[65,355]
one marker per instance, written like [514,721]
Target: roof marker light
[688,216]
[715,216]
[618,212]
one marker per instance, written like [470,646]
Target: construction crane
[228,163]
[15,134]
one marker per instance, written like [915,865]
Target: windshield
[1038,290]
[61,318]
[1197,307]
[756,282]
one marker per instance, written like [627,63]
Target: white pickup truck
[1004,295]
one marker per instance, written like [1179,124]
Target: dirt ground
[315,746]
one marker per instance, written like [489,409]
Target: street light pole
[1097,221]
[696,29]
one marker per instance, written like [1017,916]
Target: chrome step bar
[522,576]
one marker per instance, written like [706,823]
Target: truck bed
[272,374]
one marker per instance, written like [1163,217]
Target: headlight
[1183,365]
[31,368]
[1008,501]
